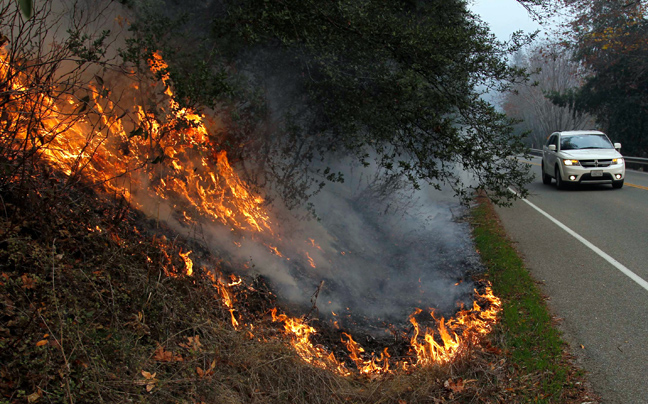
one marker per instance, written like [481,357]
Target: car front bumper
[588,175]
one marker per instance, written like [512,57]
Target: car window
[552,140]
[579,142]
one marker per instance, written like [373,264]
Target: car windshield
[577,142]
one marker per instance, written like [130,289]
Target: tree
[393,83]
[553,70]
[46,58]
[611,39]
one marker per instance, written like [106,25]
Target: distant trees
[553,70]
[610,38]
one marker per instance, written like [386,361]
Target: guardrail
[636,163]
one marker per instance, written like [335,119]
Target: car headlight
[617,161]
[571,162]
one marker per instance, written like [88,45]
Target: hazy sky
[504,17]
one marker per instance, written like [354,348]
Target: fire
[374,365]
[310,260]
[300,334]
[188,262]
[89,135]
[168,157]
[227,298]
[455,334]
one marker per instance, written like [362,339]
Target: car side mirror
[617,146]
[552,147]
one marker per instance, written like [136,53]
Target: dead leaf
[204,373]
[148,375]
[402,402]
[28,283]
[32,398]
[455,386]
[166,356]
[151,380]
[193,343]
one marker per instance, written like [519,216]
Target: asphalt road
[589,250]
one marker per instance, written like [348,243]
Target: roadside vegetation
[527,331]
[94,307]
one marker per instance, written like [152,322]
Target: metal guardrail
[641,162]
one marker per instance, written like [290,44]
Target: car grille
[596,163]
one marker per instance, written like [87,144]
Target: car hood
[591,154]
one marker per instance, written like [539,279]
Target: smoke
[382,256]
[377,251]
[370,259]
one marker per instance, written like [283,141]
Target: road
[589,249]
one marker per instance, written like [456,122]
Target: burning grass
[100,302]
[84,138]
[91,311]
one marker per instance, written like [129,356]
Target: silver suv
[582,157]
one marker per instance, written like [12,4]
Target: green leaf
[26,8]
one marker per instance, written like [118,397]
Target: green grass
[526,330]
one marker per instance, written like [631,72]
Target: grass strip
[526,330]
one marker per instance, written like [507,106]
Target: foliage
[552,70]
[611,39]
[392,82]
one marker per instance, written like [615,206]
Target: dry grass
[91,311]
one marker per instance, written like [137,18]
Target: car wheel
[560,184]
[546,179]
[617,184]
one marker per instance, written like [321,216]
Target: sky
[504,17]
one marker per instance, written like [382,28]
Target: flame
[310,260]
[454,337]
[375,365]
[170,157]
[275,251]
[188,262]
[228,299]
[455,334]
[300,334]
[89,135]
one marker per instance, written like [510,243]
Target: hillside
[96,307]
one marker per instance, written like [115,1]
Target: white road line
[640,281]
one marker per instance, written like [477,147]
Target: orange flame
[122,160]
[300,334]
[310,260]
[188,262]
[228,300]
[375,365]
